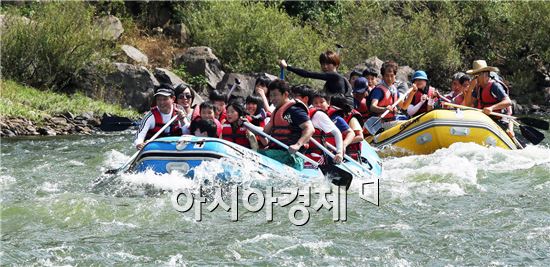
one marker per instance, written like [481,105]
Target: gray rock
[59,120]
[136,85]
[179,32]
[201,61]
[88,115]
[8,133]
[110,27]
[166,76]
[404,73]
[517,108]
[373,62]
[135,55]
[46,131]
[546,91]
[246,87]
[535,108]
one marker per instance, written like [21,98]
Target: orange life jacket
[281,128]
[235,135]
[388,100]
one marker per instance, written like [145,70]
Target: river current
[463,205]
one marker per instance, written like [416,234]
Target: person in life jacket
[353,76]
[219,101]
[260,88]
[234,131]
[159,115]
[360,95]
[425,97]
[289,123]
[487,94]
[185,97]
[355,121]
[256,111]
[321,101]
[456,96]
[382,97]
[335,83]
[207,111]
[325,129]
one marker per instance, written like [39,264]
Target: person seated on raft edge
[488,94]
[289,123]
[234,131]
[219,100]
[207,111]
[255,109]
[355,121]
[425,98]
[159,115]
[335,83]
[321,101]
[386,93]
[325,129]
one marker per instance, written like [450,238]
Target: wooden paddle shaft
[492,113]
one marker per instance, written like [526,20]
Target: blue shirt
[497,90]
[340,123]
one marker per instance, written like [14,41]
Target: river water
[465,205]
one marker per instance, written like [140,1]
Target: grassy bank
[20,101]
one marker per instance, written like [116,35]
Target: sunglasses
[186,96]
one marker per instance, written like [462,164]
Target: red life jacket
[363,109]
[223,117]
[354,149]
[418,96]
[486,99]
[174,128]
[281,128]
[235,135]
[388,100]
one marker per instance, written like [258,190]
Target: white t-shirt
[148,123]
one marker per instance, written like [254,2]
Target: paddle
[374,125]
[237,83]
[534,122]
[530,133]
[133,157]
[282,73]
[344,173]
[116,123]
[259,131]
[348,158]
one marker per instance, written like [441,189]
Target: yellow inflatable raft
[440,128]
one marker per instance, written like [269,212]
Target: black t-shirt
[335,83]
[295,116]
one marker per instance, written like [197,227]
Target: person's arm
[405,103]
[268,126]
[307,132]
[376,96]
[468,99]
[412,110]
[262,91]
[349,135]
[322,121]
[308,74]
[357,129]
[147,123]
[498,91]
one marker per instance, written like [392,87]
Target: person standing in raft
[488,94]
[289,123]
[335,83]
[385,94]
[159,115]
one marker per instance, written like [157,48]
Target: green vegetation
[250,36]
[21,101]
[49,50]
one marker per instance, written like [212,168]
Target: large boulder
[201,61]
[374,62]
[136,86]
[404,73]
[166,76]
[178,32]
[245,88]
[110,27]
[135,55]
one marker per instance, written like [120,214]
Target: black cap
[164,92]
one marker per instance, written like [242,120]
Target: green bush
[250,37]
[50,50]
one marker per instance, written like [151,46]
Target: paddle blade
[537,123]
[115,123]
[374,125]
[531,134]
[340,176]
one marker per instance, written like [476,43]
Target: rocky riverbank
[56,125]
